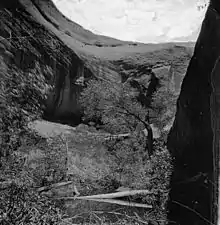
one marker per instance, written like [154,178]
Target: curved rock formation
[34,31]
[193,139]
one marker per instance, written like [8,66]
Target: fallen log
[120,202]
[110,195]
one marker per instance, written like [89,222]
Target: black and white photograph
[109,112]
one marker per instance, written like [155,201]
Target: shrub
[21,101]
[20,205]
[22,95]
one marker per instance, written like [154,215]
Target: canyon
[34,32]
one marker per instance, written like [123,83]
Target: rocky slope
[194,137]
[35,32]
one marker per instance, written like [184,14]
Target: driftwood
[110,195]
[120,202]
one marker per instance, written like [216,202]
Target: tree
[116,107]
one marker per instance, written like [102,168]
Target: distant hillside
[34,31]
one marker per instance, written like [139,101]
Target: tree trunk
[149,143]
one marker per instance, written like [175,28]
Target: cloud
[137,20]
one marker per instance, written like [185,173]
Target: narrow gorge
[36,38]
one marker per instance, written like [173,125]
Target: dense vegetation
[138,161]
[29,161]
[22,95]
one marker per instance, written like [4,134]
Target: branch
[120,202]
[145,123]
[147,126]
[117,136]
[194,211]
[110,195]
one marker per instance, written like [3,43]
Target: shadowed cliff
[194,183]
[35,32]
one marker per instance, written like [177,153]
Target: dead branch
[120,202]
[194,211]
[110,195]
[117,136]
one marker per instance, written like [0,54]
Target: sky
[147,21]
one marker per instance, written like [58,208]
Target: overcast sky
[138,20]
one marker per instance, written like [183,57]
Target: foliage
[46,161]
[21,205]
[32,161]
[22,94]
[21,98]
[159,171]
[133,169]
[115,105]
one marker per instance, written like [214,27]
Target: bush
[22,96]
[133,169]
[132,164]
[20,205]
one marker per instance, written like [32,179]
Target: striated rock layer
[35,32]
[193,139]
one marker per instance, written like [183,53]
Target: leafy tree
[116,106]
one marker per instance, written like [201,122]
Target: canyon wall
[193,139]
[34,32]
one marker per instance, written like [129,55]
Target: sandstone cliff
[194,137]
[34,31]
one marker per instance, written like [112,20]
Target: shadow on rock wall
[194,181]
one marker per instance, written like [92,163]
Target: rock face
[35,32]
[193,139]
